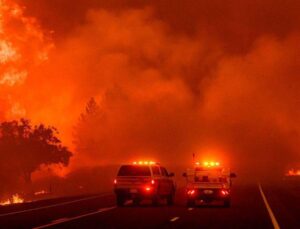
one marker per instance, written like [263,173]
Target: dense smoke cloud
[172,78]
[253,101]
[236,23]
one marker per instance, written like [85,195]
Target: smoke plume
[171,78]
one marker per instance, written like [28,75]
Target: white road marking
[271,214]
[190,209]
[53,205]
[59,221]
[174,219]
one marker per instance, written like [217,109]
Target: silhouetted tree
[24,148]
[91,109]
[84,137]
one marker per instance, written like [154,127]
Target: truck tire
[155,200]
[120,201]
[170,199]
[227,203]
[136,201]
[190,203]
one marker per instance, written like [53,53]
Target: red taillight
[224,192]
[115,181]
[191,192]
[152,181]
[148,189]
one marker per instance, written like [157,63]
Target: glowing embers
[15,199]
[41,192]
[144,163]
[208,164]
[293,172]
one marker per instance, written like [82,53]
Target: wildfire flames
[293,172]
[23,45]
[15,199]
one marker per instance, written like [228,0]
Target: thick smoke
[172,79]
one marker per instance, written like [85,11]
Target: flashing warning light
[152,181]
[208,163]
[144,163]
[115,181]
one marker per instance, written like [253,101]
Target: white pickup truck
[208,182]
[144,180]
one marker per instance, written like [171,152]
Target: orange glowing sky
[171,77]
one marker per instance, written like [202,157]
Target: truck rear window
[133,170]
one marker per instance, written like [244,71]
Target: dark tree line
[24,148]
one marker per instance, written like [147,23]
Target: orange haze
[173,78]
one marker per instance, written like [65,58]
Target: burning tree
[24,148]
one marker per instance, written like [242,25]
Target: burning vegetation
[293,172]
[15,199]
[23,46]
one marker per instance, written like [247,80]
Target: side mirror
[184,175]
[171,174]
[232,175]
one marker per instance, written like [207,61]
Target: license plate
[133,190]
[208,192]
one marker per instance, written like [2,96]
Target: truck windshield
[133,170]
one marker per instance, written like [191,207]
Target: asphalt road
[280,206]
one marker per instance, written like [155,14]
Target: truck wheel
[120,201]
[136,201]
[170,199]
[155,201]
[190,203]
[227,203]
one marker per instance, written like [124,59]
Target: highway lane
[41,213]
[248,211]
[284,199]
[10,209]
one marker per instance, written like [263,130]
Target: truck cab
[208,182]
[144,180]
